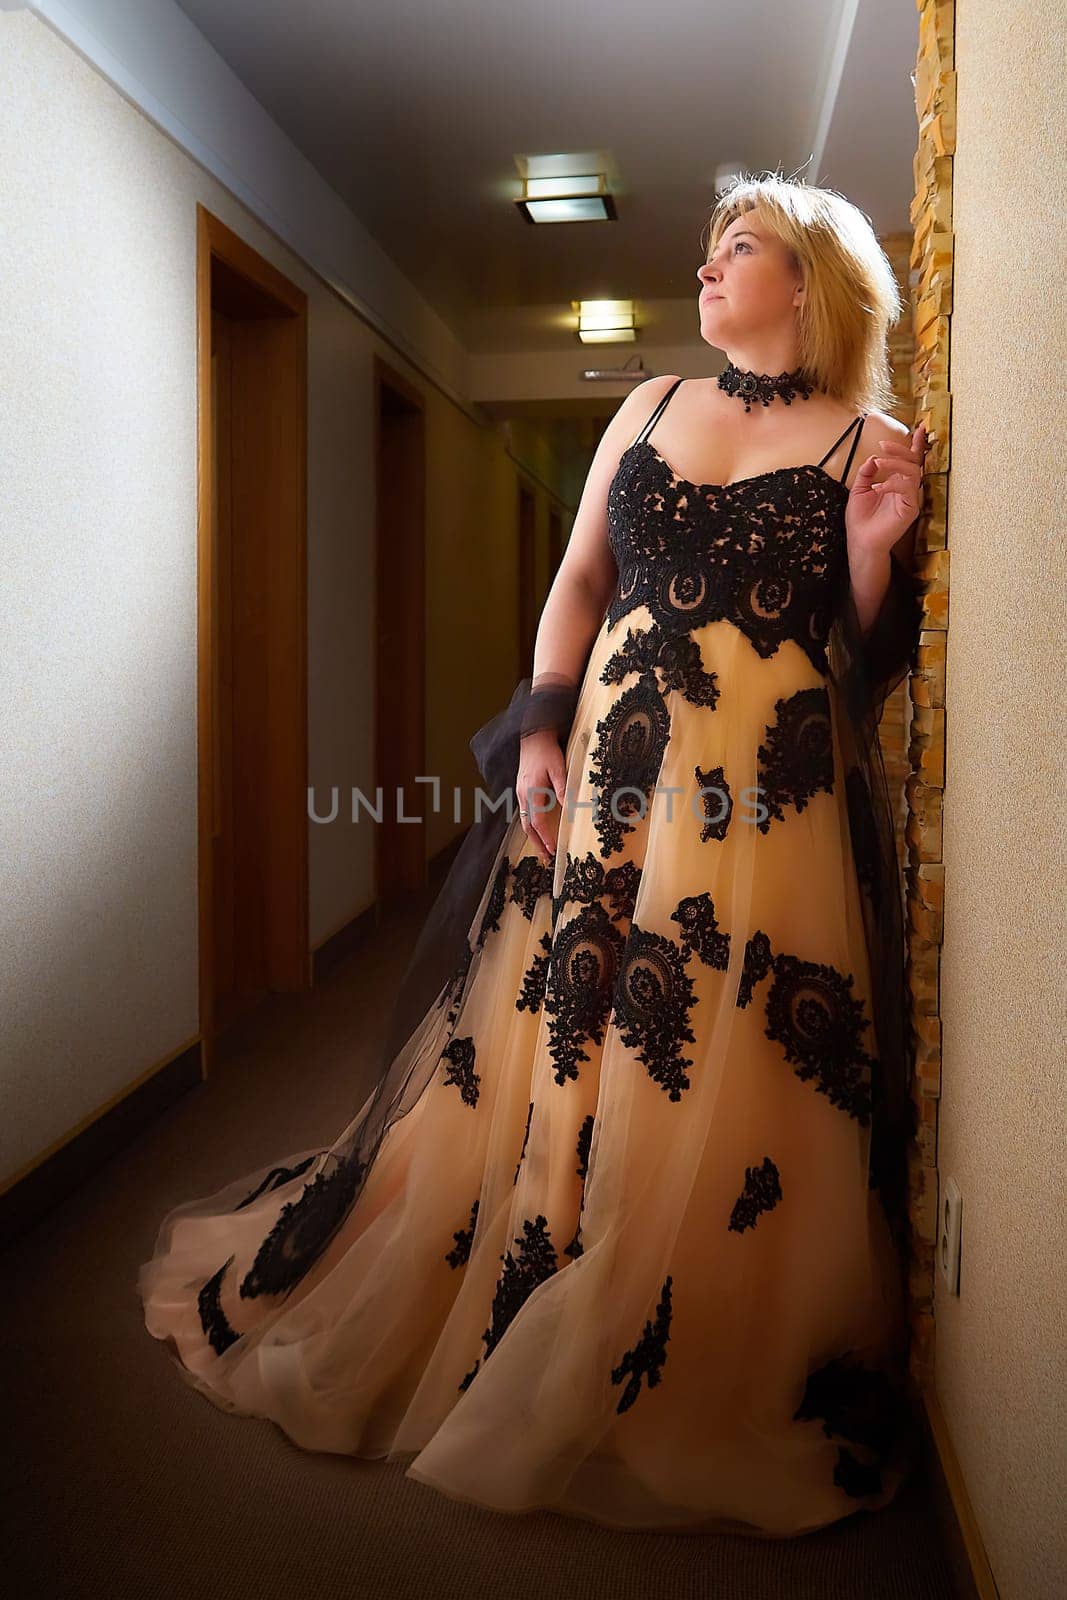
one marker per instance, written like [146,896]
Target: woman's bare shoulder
[881,426]
[635,408]
[643,396]
[877,425]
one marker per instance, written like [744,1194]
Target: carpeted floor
[119,1481]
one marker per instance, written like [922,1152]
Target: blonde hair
[851,295]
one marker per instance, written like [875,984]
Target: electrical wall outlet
[949,1234]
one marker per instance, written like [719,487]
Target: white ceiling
[414,112]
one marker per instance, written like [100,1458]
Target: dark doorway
[252,634]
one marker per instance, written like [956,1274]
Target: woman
[622,1230]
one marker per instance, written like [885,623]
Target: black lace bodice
[767,553]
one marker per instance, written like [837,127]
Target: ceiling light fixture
[582,197]
[605,321]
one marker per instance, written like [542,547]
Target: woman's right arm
[575,607]
[587,574]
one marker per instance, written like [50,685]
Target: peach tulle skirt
[621,1258]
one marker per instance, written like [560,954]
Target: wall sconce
[567,198]
[605,321]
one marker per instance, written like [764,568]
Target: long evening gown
[626,1250]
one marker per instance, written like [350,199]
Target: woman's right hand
[542,773]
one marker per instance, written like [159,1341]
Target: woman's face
[748,285]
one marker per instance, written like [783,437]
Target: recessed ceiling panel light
[578,197]
[605,321]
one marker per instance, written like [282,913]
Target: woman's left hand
[876,514]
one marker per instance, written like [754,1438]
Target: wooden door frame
[286,933]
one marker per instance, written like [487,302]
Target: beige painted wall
[1000,1345]
[98,920]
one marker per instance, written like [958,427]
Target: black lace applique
[276,1178]
[585,964]
[766,553]
[496,902]
[759,959]
[587,880]
[464,1239]
[859,1404]
[762,1192]
[576,1248]
[213,1319]
[532,993]
[523,1149]
[675,656]
[621,884]
[695,915]
[819,1022]
[626,762]
[814,1016]
[681,666]
[585,1139]
[798,758]
[533,1265]
[864,835]
[637,653]
[303,1230]
[648,1355]
[453,989]
[460,1055]
[531,879]
[771,606]
[653,998]
[718,802]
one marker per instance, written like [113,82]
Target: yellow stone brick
[931,842]
[923,1210]
[928,680]
[922,988]
[913,728]
[930,882]
[945,135]
[923,834]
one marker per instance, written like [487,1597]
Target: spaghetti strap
[653,419]
[852,451]
[861,419]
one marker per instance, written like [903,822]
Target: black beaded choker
[763,387]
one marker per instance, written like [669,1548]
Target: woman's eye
[740,244]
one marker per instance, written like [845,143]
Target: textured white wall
[1000,1347]
[98,916]
[97,451]
[153,54]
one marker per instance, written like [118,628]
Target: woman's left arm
[880,519]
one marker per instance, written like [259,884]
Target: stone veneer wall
[896,718]
[925,358]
